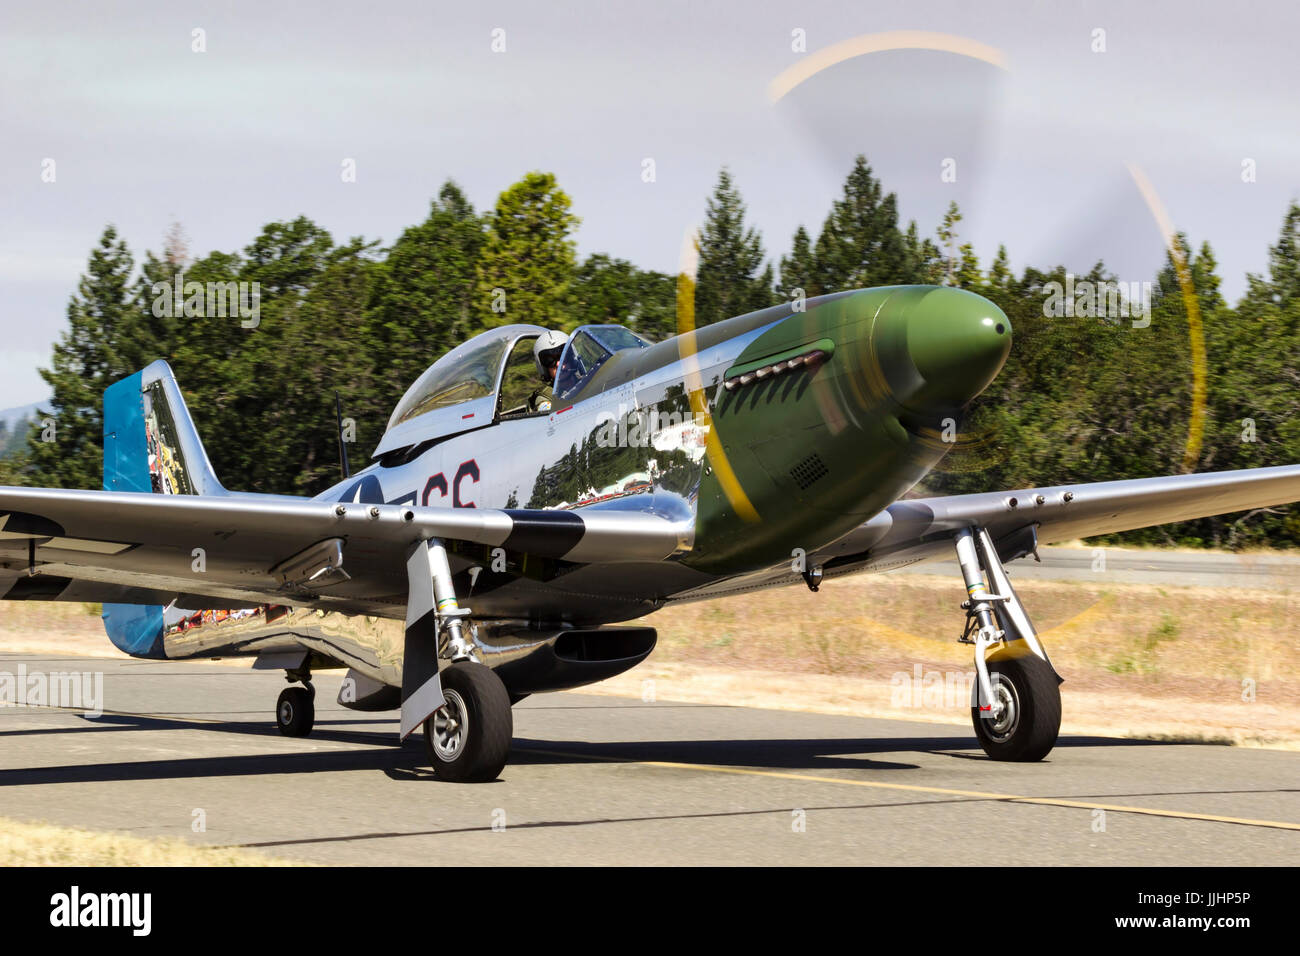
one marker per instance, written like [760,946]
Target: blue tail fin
[150,445]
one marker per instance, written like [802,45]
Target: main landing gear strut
[1016,701]
[462,704]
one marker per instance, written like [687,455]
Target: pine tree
[922,264]
[156,306]
[240,373]
[799,269]
[528,258]
[325,333]
[948,242]
[1000,272]
[422,297]
[730,280]
[1283,283]
[656,305]
[613,291]
[861,245]
[968,268]
[87,359]
[829,274]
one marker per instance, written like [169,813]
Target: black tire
[479,704]
[1029,731]
[295,712]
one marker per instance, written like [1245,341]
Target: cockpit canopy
[460,390]
[493,375]
[590,347]
[467,372]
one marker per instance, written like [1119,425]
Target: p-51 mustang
[509,536]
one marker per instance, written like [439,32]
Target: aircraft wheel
[468,738]
[1031,720]
[295,712]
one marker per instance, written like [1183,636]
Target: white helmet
[547,349]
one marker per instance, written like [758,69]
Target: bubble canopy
[460,391]
[457,392]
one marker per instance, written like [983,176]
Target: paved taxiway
[1115,565]
[609,780]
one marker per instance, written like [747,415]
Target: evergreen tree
[948,243]
[1283,283]
[999,278]
[860,245]
[922,264]
[87,359]
[527,261]
[968,268]
[613,291]
[302,443]
[731,279]
[799,268]
[238,372]
[158,309]
[827,273]
[655,317]
[421,299]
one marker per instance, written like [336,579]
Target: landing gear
[1027,704]
[295,711]
[468,738]
[1016,705]
[462,704]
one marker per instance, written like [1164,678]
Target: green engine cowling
[834,413]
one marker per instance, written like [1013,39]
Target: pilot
[546,355]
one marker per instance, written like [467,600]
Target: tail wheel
[1030,719]
[468,738]
[295,712]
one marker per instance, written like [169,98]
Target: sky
[145,131]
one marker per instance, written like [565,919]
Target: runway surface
[1107,565]
[607,780]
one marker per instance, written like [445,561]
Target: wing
[908,529]
[920,529]
[204,552]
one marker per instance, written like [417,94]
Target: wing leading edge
[1066,512]
[921,529]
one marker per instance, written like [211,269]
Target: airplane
[501,537]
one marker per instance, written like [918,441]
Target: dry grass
[42,844]
[1173,662]
[50,627]
[1136,636]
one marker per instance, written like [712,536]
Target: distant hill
[11,415]
[12,433]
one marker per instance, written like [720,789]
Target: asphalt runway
[601,780]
